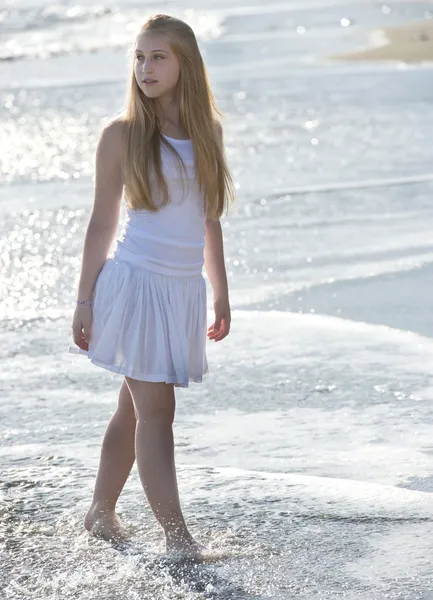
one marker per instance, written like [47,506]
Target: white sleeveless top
[170,241]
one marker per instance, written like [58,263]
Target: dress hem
[154,377]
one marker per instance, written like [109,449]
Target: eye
[159,56]
[139,57]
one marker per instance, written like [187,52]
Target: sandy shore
[407,43]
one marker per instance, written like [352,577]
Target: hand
[221,326]
[81,326]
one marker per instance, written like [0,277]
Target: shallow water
[305,457]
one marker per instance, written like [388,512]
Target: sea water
[305,457]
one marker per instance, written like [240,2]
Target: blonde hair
[198,111]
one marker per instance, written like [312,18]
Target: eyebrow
[141,52]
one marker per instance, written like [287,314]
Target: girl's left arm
[216,271]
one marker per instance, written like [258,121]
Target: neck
[167,112]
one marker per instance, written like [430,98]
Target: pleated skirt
[147,325]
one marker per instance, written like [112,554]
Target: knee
[125,410]
[154,413]
[123,420]
[126,416]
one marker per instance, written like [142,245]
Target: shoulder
[114,130]
[111,141]
[110,148]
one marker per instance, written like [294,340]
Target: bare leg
[117,459]
[154,447]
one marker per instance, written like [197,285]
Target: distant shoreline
[404,43]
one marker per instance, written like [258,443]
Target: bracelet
[84,302]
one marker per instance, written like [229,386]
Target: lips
[149,81]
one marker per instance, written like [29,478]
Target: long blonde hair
[198,111]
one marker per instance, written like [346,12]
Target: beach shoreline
[411,43]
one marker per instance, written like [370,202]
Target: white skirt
[147,325]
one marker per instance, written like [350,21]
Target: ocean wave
[333,186]
[46,32]
[334,498]
[20,53]
[25,19]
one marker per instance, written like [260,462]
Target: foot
[185,547]
[104,524]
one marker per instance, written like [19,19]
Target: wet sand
[407,43]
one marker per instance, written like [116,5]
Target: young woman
[141,312]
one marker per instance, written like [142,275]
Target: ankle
[177,533]
[103,507]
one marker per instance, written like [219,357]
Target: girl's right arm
[103,223]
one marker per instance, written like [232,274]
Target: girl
[141,312]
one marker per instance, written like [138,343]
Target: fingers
[86,334]
[83,345]
[80,339]
[218,334]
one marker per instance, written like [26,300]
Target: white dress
[149,301]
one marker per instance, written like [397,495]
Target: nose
[146,68]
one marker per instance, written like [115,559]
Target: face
[155,60]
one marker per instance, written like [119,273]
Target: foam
[322,497]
